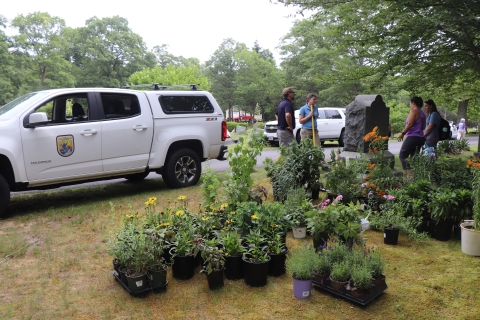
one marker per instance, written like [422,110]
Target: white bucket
[470,239]
[299,232]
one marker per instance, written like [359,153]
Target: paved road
[219,166]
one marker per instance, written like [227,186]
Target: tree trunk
[462,110]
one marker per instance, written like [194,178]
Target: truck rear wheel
[4,195]
[182,169]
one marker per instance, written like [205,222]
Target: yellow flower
[205,218]
[274,225]
[254,217]
[179,212]
[223,206]
[233,212]
[181,198]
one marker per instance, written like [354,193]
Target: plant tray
[141,293]
[347,295]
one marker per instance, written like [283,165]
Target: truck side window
[333,114]
[117,106]
[185,104]
[66,109]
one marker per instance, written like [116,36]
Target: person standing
[307,113]
[414,126]
[432,124]
[286,118]
[462,129]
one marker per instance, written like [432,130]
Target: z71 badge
[65,145]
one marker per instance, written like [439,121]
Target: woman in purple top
[414,126]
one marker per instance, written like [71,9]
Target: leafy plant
[464,205]
[183,243]
[361,277]
[341,271]
[443,201]
[296,205]
[213,258]
[376,264]
[321,263]
[300,262]
[254,252]
[232,243]
[275,244]
[210,187]
[476,198]
[337,253]
[345,178]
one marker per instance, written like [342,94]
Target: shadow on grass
[27,203]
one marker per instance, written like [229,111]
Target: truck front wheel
[4,195]
[182,169]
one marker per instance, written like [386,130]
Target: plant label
[139,283]
[384,235]
[306,294]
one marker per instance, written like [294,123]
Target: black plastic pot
[137,283]
[390,235]
[457,232]
[183,266]
[157,277]
[215,279]
[255,273]
[276,266]
[442,230]
[234,267]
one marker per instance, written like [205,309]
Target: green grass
[66,273]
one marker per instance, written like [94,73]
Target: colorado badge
[65,145]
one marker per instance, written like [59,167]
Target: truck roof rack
[158,86]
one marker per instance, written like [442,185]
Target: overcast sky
[191,28]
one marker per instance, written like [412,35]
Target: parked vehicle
[330,125]
[66,136]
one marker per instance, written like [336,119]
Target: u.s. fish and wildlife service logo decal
[65,145]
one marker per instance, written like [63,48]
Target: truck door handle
[88,132]
[139,127]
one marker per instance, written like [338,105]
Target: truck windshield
[17,106]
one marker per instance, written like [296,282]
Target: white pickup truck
[58,137]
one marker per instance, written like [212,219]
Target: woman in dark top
[432,124]
[414,126]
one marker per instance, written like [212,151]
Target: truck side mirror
[37,119]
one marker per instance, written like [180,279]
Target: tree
[165,58]
[107,52]
[221,69]
[171,75]
[41,47]
[8,76]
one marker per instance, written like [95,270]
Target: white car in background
[330,125]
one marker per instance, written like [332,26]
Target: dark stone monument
[362,115]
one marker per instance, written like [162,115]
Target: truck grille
[270,129]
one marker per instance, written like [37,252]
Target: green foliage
[296,205]
[183,243]
[171,75]
[361,277]
[254,241]
[464,208]
[242,160]
[213,258]
[275,243]
[376,264]
[232,243]
[345,179]
[442,203]
[453,147]
[341,271]
[210,186]
[476,198]
[300,262]
[321,263]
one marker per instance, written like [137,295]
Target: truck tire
[340,140]
[4,195]
[137,176]
[182,169]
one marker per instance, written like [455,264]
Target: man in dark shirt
[286,118]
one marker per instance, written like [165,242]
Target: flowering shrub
[375,142]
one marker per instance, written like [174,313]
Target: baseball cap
[288,90]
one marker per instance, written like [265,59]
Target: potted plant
[462,210]
[361,278]
[320,267]
[277,252]
[321,223]
[296,205]
[442,205]
[255,260]
[471,229]
[213,262]
[137,264]
[156,266]
[376,265]
[233,250]
[340,275]
[299,265]
[182,255]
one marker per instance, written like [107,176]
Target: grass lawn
[65,272]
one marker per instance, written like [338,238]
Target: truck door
[69,145]
[127,131]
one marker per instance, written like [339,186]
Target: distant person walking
[414,126]
[432,124]
[462,129]
[286,118]
[307,114]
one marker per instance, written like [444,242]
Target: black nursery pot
[234,267]
[390,236]
[276,266]
[442,230]
[255,274]
[215,279]
[183,267]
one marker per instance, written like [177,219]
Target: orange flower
[378,189]
[354,185]
[469,163]
[372,185]
[477,165]
[375,150]
[375,129]
[381,194]
[363,191]
[367,178]
[371,166]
